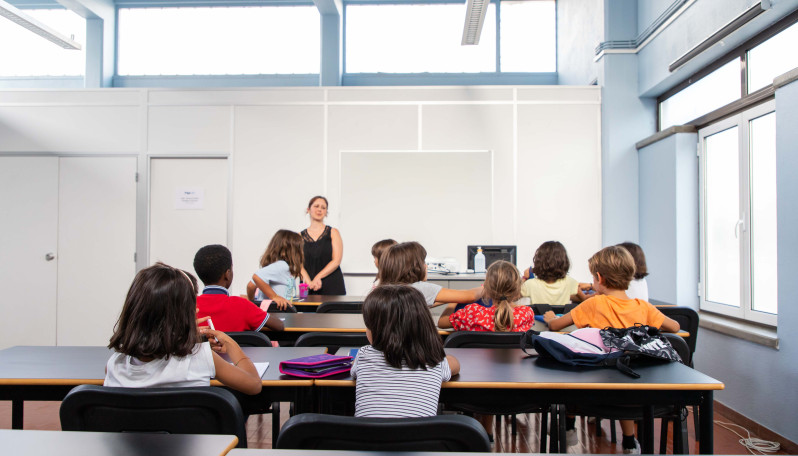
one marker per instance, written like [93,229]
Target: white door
[28,234]
[96,245]
[188,208]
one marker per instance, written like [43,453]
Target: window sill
[757,334]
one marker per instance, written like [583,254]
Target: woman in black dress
[323,252]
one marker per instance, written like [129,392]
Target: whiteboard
[442,199]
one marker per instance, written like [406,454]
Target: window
[738,216]
[528,36]
[23,53]
[772,58]
[711,92]
[219,41]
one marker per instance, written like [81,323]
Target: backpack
[609,347]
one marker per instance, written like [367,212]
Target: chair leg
[695,423]
[275,422]
[562,444]
[544,432]
[680,444]
[598,427]
[663,436]
[613,435]
[514,424]
[554,430]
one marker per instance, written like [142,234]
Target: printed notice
[189,198]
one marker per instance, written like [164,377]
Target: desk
[508,375]
[119,444]
[49,373]
[297,324]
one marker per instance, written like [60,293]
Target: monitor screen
[492,253]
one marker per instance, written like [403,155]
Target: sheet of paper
[261,367]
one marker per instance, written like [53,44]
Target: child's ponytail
[503,318]
[503,286]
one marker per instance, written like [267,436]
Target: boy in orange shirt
[613,269]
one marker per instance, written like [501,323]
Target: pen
[210,323]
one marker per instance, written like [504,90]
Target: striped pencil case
[316,366]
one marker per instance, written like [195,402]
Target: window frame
[742,122]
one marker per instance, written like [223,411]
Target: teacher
[323,250]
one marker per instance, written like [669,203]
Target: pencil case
[316,366]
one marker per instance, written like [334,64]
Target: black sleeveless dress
[318,254]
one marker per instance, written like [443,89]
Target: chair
[332,340]
[312,431]
[688,321]
[191,410]
[484,339]
[340,307]
[250,339]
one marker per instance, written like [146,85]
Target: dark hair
[403,263]
[211,262]
[503,286]
[381,246]
[551,262]
[640,258]
[616,266]
[158,318]
[402,327]
[286,246]
[318,197]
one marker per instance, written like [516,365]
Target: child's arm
[444,322]
[274,323]
[251,287]
[669,325]
[581,292]
[241,375]
[448,295]
[454,364]
[557,323]
[280,301]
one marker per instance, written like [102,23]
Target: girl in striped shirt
[400,374]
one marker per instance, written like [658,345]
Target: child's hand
[217,339]
[549,316]
[281,302]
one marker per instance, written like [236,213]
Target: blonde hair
[286,246]
[503,286]
[616,266]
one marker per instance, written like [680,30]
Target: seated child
[280,265]
[612,269]
[376,251]
[552,285]
[156,341]
[638,288]
[214,266]
[400,374]
[503,288]
[403,264]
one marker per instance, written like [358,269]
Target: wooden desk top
[31,365]
[64,443]
[512,369]
[331,298]
[327,322]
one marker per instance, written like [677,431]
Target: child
[400,374]
[503,287]
[280,264]
[638,288]
[404,264]
[612,269]
[214,266]
[377,250]
[552,285]
[157,342]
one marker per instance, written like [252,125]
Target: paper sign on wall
[189,198]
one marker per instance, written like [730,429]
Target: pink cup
[303,290]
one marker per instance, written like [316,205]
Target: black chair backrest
[340,307]
[189,410]
[273,309]
[482,339]
[681,347]
[331,340]
[250,339]
[312,431]
[688,321]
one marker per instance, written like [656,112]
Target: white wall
[284,145]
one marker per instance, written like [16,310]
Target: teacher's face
[318,210]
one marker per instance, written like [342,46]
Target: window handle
[738,227]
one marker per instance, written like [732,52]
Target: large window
[528,36]
[738,216]
[219,41]
[773,57]
[717,89]
[23,53]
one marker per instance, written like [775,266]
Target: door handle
[739,226]
[49,256]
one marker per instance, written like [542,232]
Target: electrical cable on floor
[751,443]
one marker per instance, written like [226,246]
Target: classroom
[634,120]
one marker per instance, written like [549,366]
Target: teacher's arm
[337,255]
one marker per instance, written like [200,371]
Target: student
[157,342]
[638,288]
[612,269]
[377,250]
[280,265]
[503,288]
[214,266]
[404,264]
[552,285]
[400,374]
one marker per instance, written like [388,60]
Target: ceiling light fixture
[475,17]
[15,15]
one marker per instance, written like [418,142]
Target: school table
[312,302]
[496,376]
[29,373]
[300,323]
[65,443]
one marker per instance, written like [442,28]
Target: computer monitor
[492,253]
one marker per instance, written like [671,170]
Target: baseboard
[762,432]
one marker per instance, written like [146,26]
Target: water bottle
[479,261]
[290,294]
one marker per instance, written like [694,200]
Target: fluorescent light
[475,17]
[13,14]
